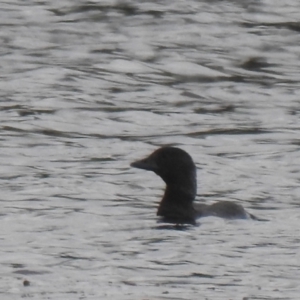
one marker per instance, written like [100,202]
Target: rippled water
[88,87]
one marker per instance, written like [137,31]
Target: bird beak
[145,164]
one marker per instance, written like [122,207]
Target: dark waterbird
[178,171]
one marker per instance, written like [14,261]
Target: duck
[178,170]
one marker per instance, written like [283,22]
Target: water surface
[88,87]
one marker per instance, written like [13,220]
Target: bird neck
[177,203]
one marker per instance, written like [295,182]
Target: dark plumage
[177,169]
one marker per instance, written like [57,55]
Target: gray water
[88,87]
